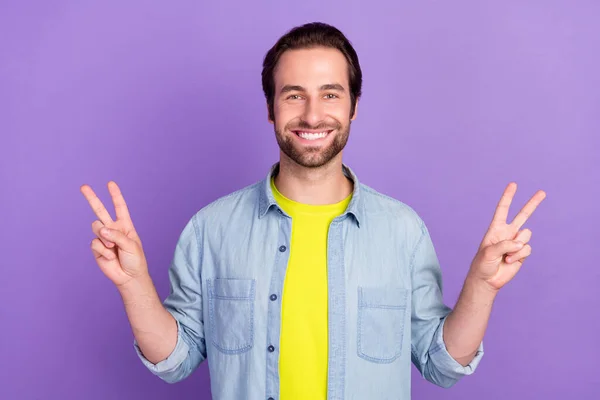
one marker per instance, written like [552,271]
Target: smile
[312,135]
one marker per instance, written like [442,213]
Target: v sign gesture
[119,254]
[500,256]
[504,246]
[117,248]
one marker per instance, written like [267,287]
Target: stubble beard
[312,156]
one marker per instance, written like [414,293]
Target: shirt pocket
[231,314]
[381,320]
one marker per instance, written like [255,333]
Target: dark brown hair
[314,34]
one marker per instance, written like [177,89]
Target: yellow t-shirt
[303,341]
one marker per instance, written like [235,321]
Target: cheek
[284,114]
[342,115]
[339,109]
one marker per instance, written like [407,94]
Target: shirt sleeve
[429,353]
[185,304]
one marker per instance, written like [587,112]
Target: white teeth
[312,136]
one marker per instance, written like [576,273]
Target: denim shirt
[384,292]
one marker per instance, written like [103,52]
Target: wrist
[139,290]
[480,286]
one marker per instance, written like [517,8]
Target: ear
[355,111]
[269,115]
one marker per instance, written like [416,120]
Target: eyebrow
[297,88]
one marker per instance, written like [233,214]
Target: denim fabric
[384,291]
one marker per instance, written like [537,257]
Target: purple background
[165,98]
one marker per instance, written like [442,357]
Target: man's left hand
[504,246]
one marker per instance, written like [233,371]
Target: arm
[169,338]
[182,322]
[500,256]
[466,324]
[429,317]
[154,328]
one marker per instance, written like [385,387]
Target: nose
[313,113]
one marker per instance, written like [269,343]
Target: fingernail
[105,232]
[520,244]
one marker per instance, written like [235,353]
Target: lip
[312,130]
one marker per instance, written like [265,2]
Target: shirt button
[273,297]
[282,248]
[271,349]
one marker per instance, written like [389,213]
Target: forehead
[311,68]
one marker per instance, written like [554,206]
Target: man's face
[312,105]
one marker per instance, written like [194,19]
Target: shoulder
[379,205]
[223,208]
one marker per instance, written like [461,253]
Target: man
[308,284]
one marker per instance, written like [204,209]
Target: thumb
[506,246]
[120,239]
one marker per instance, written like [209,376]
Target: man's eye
[331,96]
[293,97]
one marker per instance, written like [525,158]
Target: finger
[96,205]
[528,209]
[524,236]
[501,213]
[119,201]
[100,250]
[120,239]
[519,255]
[96,226]
[498,250]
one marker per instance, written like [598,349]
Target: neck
[315,186]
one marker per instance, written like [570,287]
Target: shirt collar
[267,199]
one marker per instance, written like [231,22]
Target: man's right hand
[119,251]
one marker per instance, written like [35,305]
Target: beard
[312,156]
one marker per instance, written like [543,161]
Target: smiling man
[309,284]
